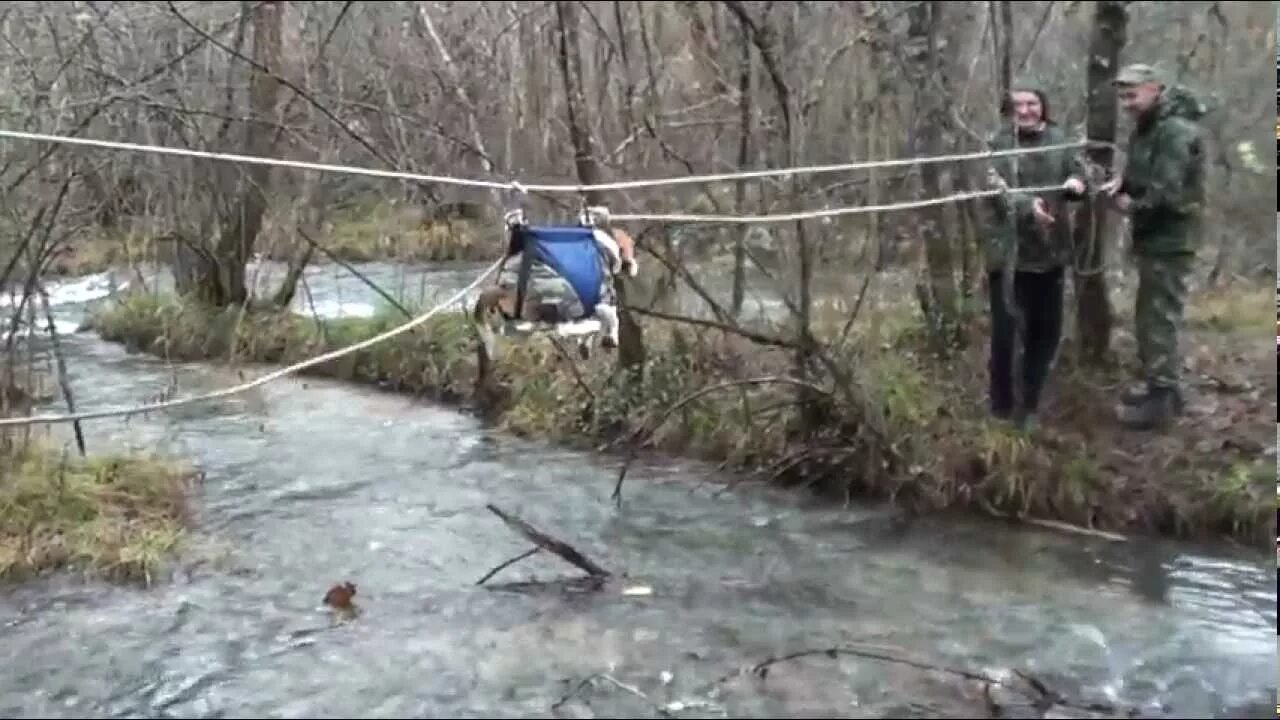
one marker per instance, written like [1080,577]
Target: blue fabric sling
[571,252]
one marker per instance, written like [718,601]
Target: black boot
[1157,411]
[1136,397]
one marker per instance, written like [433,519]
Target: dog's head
[627,251]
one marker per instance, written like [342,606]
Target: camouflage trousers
[1162,295]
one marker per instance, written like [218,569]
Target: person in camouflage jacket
[1162,192]
[1027,250]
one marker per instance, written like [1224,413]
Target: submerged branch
[562,550]
[1043,697]
[508,563]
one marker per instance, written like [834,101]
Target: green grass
[117,516]
[381,232]
[1232,309]
[366,232]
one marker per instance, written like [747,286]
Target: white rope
[811,214]
[350,170]
[236,389]
[523,188]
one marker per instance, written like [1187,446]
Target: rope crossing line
[810,214]
[236,389]
[517,186]
[521,187]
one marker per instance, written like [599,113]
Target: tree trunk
[939,297]
[744,159]
[240,226]
[1227,241]
[1093,307]
[762,37]
[1006,47]
[631,352]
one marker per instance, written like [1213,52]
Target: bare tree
[1093,308]
[630,340]
[939,297]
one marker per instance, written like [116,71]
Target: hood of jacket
[1180,101]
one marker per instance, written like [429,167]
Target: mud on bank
[1210,476]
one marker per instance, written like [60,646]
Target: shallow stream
[311,482]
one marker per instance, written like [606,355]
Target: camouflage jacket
[1164,176]
[1037,250]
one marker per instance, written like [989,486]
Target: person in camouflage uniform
[1162,192]
[1030,237]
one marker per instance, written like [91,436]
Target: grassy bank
[97,251]
[117,517]
[916,433]
[362,233]
[379,231]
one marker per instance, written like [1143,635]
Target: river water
[310,482]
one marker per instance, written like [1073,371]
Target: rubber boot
[1135,397]
[1156,412]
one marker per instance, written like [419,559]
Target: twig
[560,549]
[508,563]
[359,275]
[63,380]
[1068,527]
[573,368]
[678,269]
[616,683]
[857,308]
[1058,525]
[1031,48]
[283,81]
[1045,699]
[751,335]
[636,444]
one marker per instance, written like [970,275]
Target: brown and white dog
[497,304]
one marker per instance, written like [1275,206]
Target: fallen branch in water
[1043,699]
[616,683]
[508,563]
[1057,525]
[562,550]
[762,668]
[638,441]
[665,710]
[1077,529]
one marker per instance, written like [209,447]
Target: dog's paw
[608,342]
[631,267]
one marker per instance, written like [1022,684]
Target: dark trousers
[1039,297]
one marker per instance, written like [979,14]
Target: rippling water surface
[311,482]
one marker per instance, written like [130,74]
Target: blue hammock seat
[570,251]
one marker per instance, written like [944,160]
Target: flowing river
[311,482]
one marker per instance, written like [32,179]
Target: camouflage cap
[1137,74]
